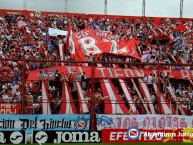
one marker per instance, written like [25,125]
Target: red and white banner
[45,99]
[166,108]
[83,103]
[106,73]
[9,108]
[145,91]
[67,104]
[116,104]
[126,91]
[88,41]
[134,134]
[143,121]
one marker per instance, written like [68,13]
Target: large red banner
[9,108]
[89,42]
[104,72]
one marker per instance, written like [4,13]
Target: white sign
[143,121]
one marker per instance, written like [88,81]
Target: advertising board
[66,137]
[149,121]
[133,134]
[12,137]
[44,122]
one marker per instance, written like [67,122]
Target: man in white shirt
[145,78]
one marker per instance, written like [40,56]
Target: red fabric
[70,26]
[180,27]
[102,72]
[88,41]
[157,21]
[63,107]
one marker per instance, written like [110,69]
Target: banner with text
[88,41]
[42,137]
[143,121]
[44,122]
[133,134]
[103,72]
[9,108]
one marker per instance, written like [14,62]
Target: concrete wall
[161,8]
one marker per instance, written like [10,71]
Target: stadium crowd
[170,41]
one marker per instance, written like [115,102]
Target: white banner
[56,32]
[143,121]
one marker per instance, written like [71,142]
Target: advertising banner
[143,121]
[12,137]
[41,137]
[9,108]
[133,134]
[44,122]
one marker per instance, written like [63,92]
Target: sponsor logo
[2,137]
[105,121]
[80,124]
[66,136]
[41,137]
[50,73]
[133,133]
[12,137]
[16,137]
[77,137]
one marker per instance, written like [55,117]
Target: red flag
[131,48]
[86,42]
